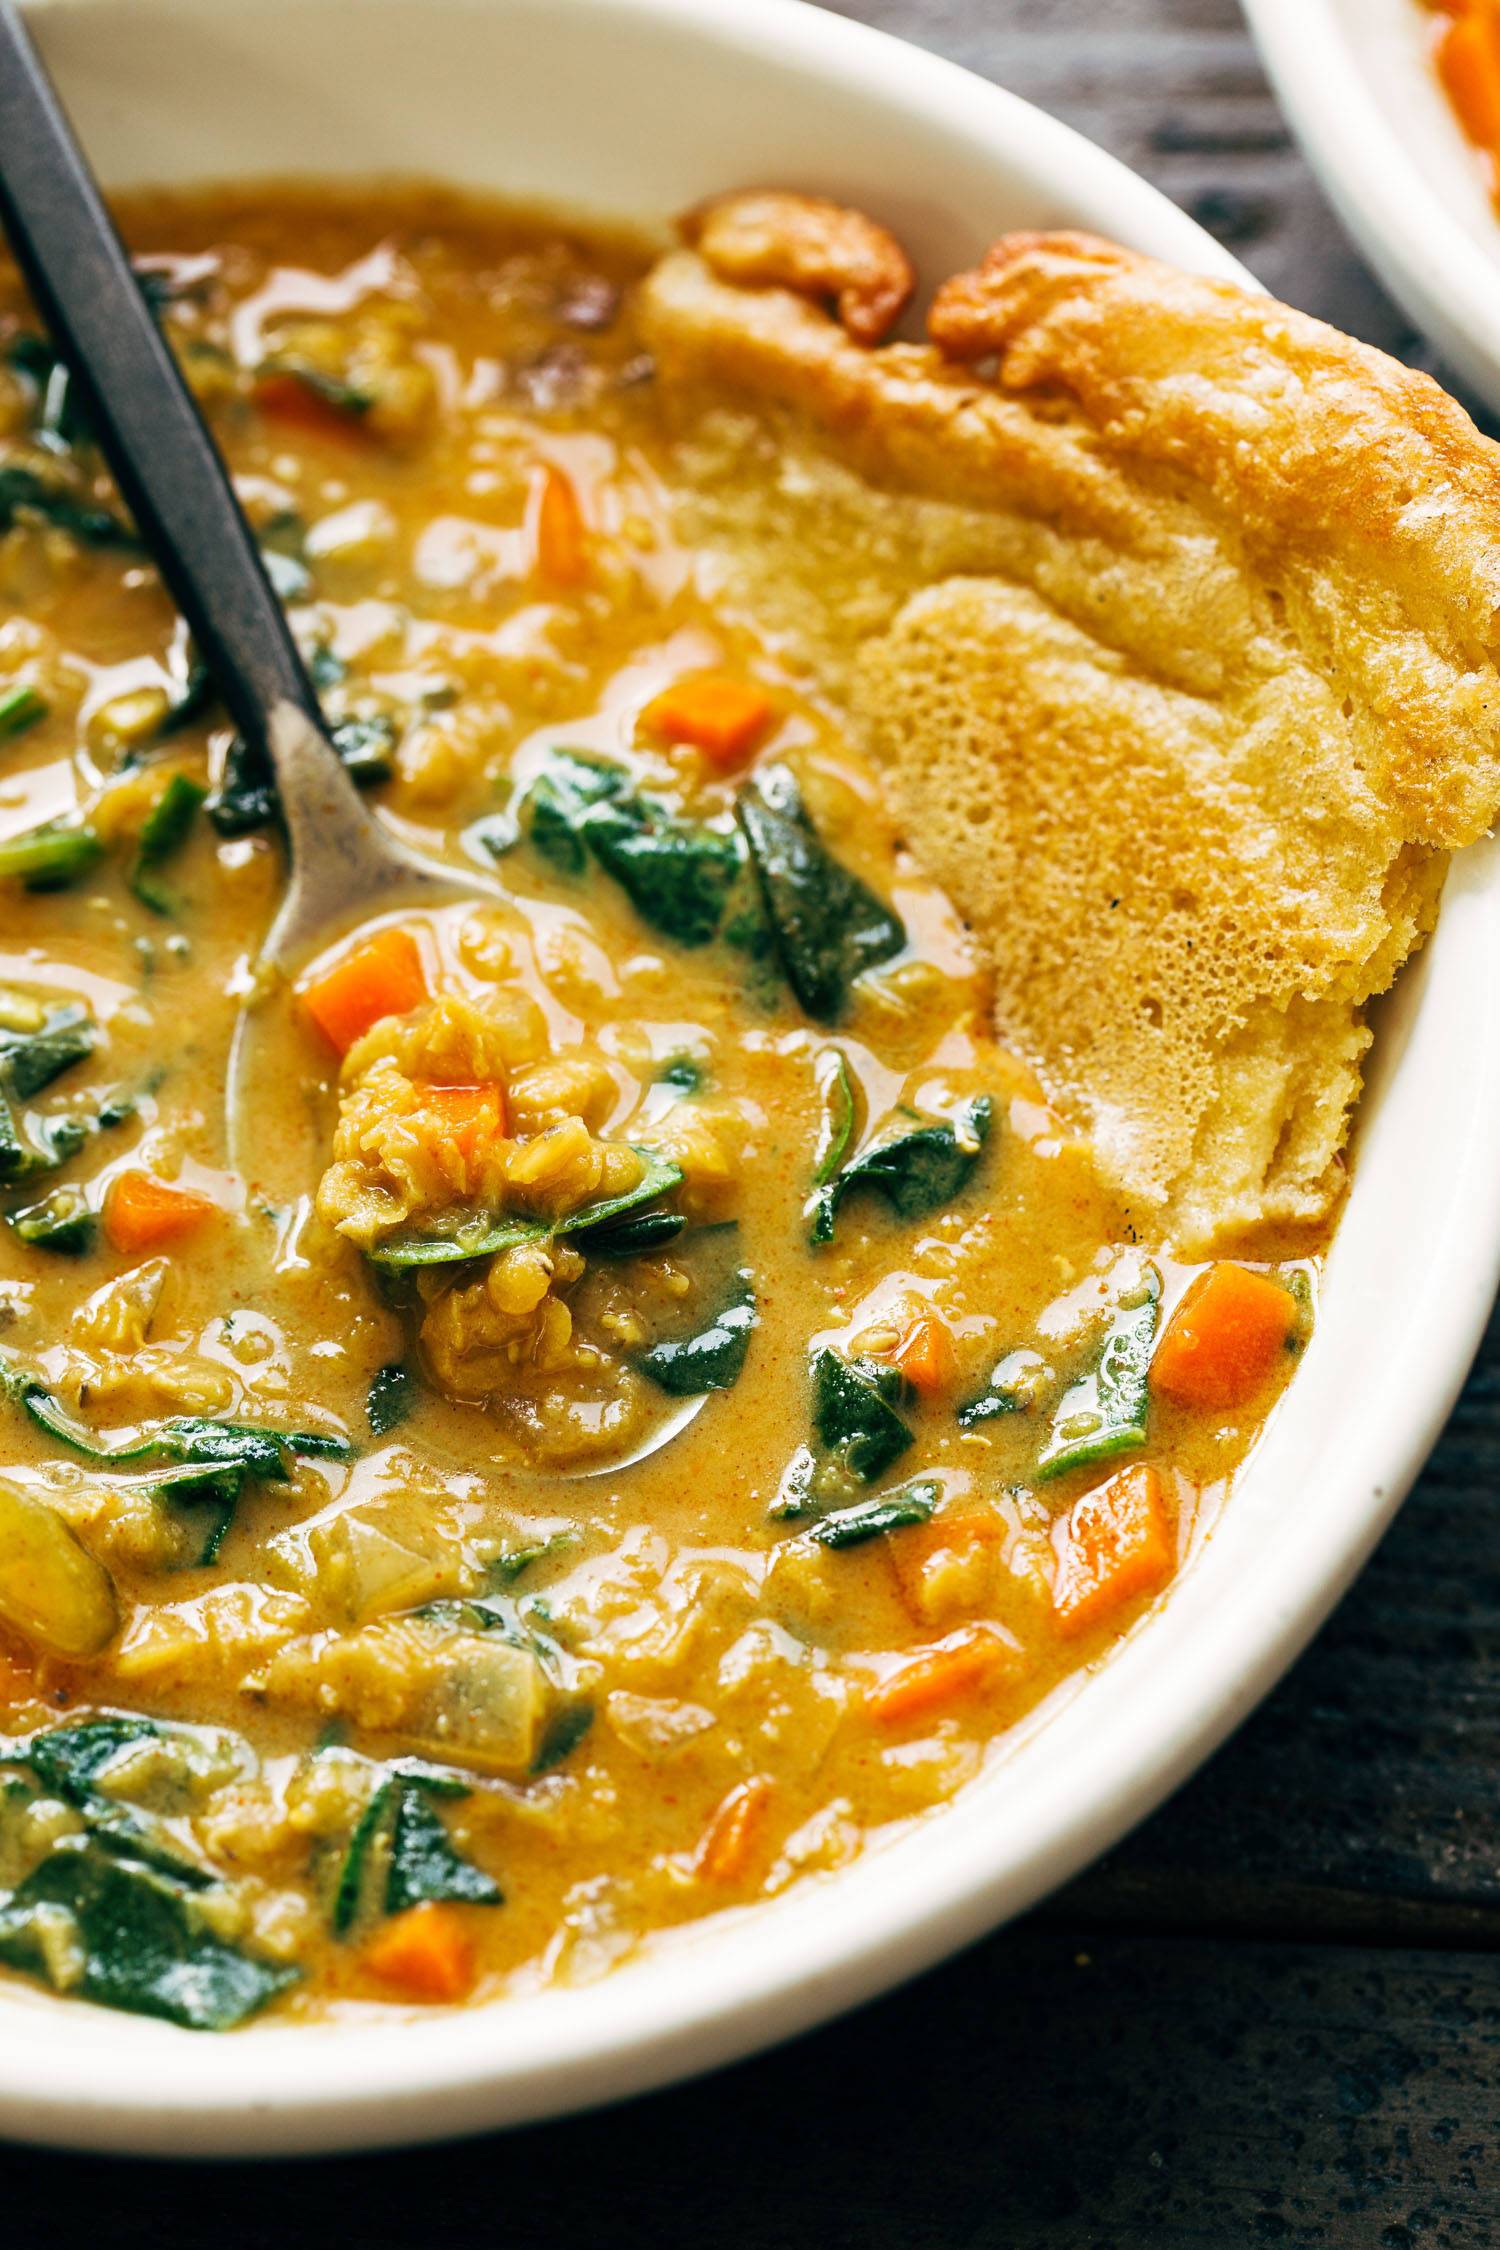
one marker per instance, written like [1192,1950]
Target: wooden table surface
[1272,2016]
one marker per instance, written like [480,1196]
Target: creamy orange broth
[549,1580]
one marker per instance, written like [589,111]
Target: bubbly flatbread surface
[1173,616]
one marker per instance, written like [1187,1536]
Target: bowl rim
[1388,201]
[87,2078]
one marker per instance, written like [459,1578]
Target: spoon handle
[146,421]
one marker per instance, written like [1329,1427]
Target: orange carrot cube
[1116,1544]
[1225,1338]
[141,1213]
[426,1953]
[383,978]
[723,718]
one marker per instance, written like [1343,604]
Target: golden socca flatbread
[1173,616]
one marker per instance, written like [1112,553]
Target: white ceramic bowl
[640,107]
[1355,78]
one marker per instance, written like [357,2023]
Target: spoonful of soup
[345,867]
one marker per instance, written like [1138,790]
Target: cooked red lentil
[661,1392]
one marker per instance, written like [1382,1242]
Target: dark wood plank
[1045,2093]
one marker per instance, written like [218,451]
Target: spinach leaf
[349,1893]
[187,1439]
[682,1074]
[52,1141]
[20,707]
[634,1236]
[561,1735]
[915,1172]
[30,1060]
[68,1762]
[68,1759]
[191,698]
[867,1519]
[214,1492]
[836,1129]
[1104,1413]
[424,1864]
[50,857]
[164,832]
[553,809]
[62,1223]
[23,493]
[797,1493]
[660,1176]
[481,1234]
[507,1568]
[246,799]
[687,1366]
[828,926]
[676,873]
[147,1944]
[394,1391]
[399,1831]
[1014,1387]
[852,1420]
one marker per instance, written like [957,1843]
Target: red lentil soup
[653,1391]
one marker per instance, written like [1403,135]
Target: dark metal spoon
[173,481]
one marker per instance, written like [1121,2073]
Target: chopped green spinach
[1013,1388]
[21,706]
[852,1421]
[163,833]
[483,1234]
[915,1172]
[30,1060]
[1105,1412]
[24,494]
[676,873]
[62,1223]
[836,1126]
[828,926]
[394,1391]
[50,857]
[145,1941]
[116,1905]
[400,1854]
[711,1360]
[868,1519]
[561,1735]
[245,799]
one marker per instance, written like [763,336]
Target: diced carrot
[383,978]
[427,1953]
[724,718]
[283,395]
[1468,62]
[949,1672]
[961,1532]
[1116,1543]
[468,1116]
[925,1355]
[733,1835]
[559,534]
[1224,1339]
[142,1213]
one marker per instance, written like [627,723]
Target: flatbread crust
[1173,616]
